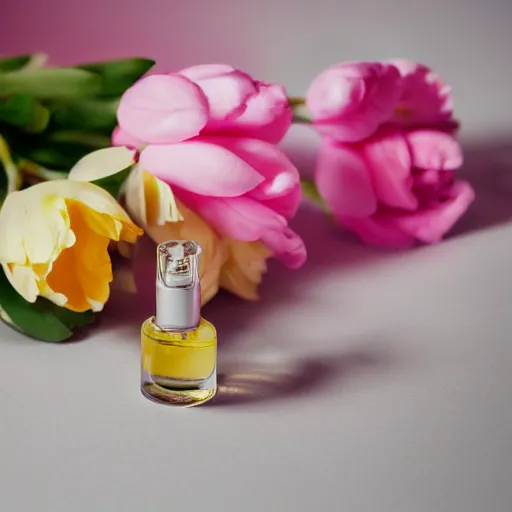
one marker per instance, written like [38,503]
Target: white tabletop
[364,382]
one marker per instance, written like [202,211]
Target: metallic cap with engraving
[178,289]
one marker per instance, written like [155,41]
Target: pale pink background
[283,40]
[382,381]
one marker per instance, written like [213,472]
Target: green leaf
[56,154]
[71,319]
[25,112]
[21,61]
[87,115]
[91,140]
[42,320]
[13,63]
[118,75]
[113,183]
[50,83]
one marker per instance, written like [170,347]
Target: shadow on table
[488,167]
[250,383]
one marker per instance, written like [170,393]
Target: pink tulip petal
[162,109]
[200,167]
[352,129]
[242,218]
[121,137]
[429,225]
[348,102]
[287,204]
[434,150]
[226,88]
[429,185]
[268,116]
[287,246]
[425,97]
[281,176]
[389,160]
[343,180]
[334,93]
[378,231]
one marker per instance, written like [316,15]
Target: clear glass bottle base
[161,395]
[178,393]
[178,367]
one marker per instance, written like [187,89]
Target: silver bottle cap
[178,289]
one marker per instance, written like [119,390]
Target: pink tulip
[349,101]
[241,106]
[209,132]
[424,99]
[397,187]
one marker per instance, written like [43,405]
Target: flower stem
[10,169]
[32,170]
[299,109]
[310,191]
[295,101]
[300,119]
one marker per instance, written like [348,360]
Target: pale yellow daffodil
[54,242]
[229,264]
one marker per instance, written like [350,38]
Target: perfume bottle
[179,347]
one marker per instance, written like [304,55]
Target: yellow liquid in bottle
[179,368]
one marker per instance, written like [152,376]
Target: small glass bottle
[179,347]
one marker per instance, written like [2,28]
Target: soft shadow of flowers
[252,382]
[488,167]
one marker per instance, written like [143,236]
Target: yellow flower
[244,268]
[54,242]
[230,264]
[152,204]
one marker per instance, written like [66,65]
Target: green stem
[296,100]
[310,191]
[299,109]
[10,169]
[33,170]
[300,119]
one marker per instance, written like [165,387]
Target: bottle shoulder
[204,333]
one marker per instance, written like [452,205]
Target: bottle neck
[178,309]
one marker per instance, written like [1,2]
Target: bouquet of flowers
[95,155]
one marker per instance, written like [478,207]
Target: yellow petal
[23,279]
[33,228]
[55,238]
[102,163]
[83,272]
[244,268]
[34,224]
[213,253]
[149,200]
[165,218]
